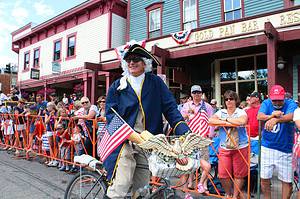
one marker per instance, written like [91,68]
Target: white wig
[125,74]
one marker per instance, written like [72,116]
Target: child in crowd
[77,139]
[64,146]
[7,129]
[50,121]
[45,147]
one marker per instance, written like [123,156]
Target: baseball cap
[255,94]
[196,88]
[183,95]
[213,101]
[59,126]
[277,92]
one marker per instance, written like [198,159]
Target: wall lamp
[280,63]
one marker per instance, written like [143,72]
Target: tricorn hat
[142,52]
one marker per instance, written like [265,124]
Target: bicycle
[92,183]
[161,156]
[89,183]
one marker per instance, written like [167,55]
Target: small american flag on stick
[199,123]
[116,133]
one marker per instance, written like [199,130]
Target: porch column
[272,39]
[162,56]
[218,82]
[108,81]
[94,85]
[86,86]
[45,90]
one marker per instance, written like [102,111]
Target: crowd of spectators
[59,127]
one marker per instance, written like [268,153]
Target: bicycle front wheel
[86,185]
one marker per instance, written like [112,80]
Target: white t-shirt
[224,114]
[296,114]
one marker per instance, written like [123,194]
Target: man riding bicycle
[140,98]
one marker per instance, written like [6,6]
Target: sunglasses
[86,102]
[229,99]
[196,92]
[102,102]
[134,59]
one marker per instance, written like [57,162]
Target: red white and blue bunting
[121,50]
[182,36]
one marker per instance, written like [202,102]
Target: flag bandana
[116,133]
[199,123]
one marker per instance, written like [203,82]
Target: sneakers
[52,163]
[201,188]
[63,168]
[17,153]
[74,170]
[188,196]
[67,168]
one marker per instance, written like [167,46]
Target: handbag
[232,138]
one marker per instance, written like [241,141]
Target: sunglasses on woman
[229,99]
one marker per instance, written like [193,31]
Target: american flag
[116,133]
[199,123]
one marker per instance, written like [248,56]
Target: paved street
[29,179]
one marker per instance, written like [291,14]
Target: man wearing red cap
[277,140]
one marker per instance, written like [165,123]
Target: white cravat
[136,83]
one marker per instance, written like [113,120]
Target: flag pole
[121,118]
[134,136]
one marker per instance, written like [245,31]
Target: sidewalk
[29,179]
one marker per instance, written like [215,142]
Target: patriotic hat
[142,52]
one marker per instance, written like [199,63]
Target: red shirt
[252,120]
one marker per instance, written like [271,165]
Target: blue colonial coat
[155,99]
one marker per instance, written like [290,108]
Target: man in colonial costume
[140,98]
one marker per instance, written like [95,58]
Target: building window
[154,23]
[57,51]
[244,75]
[189,14]
[26,61]
[296,2]
[71,46]
[36,58]
[232,9]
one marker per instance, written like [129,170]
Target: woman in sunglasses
[140,98]
[88,112]
[233,150]
[101,107]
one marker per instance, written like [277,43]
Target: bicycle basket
[162,166]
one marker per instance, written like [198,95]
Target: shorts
[274,160]
[20,127]
[232,161]
[49,133]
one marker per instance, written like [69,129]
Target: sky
[14,14]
